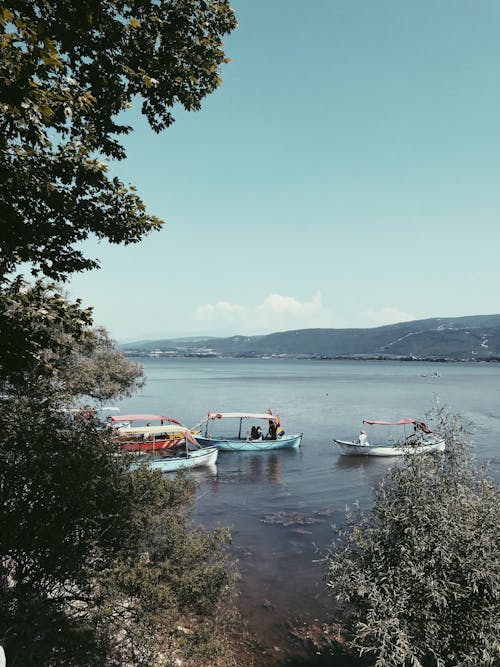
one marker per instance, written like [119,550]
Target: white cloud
[276,303]
[221,309]
[377,317]
[276,313]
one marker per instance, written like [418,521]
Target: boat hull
[195,459]
[149,445]
[354,449]
[243,445]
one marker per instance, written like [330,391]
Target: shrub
[417,577]
[100,564]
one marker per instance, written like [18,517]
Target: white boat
[206,456]
[420,441]
[188,454]
[245,437]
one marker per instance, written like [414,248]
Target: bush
[417,577]
[98,564]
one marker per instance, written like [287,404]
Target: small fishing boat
[420,441]
[144,432]
[188,454]
[206,456]
[242,437]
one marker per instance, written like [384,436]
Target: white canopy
[242,415]
[152,430]
[167,429]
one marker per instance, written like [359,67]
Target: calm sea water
[281,506]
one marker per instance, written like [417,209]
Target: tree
[50,342]
[68,70]
[98,563]
[417,577]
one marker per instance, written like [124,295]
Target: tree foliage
[98,564]
[67,72]
[99,371]
[417,578]
[49,341]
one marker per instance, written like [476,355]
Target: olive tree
[417,577]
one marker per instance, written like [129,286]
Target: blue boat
[171,463]
[245,437]
[187,454]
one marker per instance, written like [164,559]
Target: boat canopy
[242,415]
[419,424]
[167,429]
[151,430]
[136,418]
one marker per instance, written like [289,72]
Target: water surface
[281,505]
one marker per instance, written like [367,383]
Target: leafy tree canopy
[49,341]
[417,577]
[67,70]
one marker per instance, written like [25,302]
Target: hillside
[459,338]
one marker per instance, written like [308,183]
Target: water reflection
[236,468]
[365,463]
[206,474]
[273,469]
[245,466]
[254,467]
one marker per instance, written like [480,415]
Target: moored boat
[170,462]
[242,437]
[145,432]
[421,441]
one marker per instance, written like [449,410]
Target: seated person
[271,433]
[362,439]
[255,433]
[414,438]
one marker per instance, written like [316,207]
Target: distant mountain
[457,338]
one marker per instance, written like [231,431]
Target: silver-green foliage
[417,577]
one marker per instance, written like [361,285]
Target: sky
[345,174]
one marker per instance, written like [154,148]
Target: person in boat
[362,438]
[272,431]
[279,429]
[255,433]
[417,437]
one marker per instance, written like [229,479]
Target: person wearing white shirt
[362,439]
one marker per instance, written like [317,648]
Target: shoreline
[311,357]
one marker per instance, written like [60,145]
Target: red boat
[144,432]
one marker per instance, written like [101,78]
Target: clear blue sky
[345,174]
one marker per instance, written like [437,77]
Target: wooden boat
[145,432]
[420,441]
[241,438]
